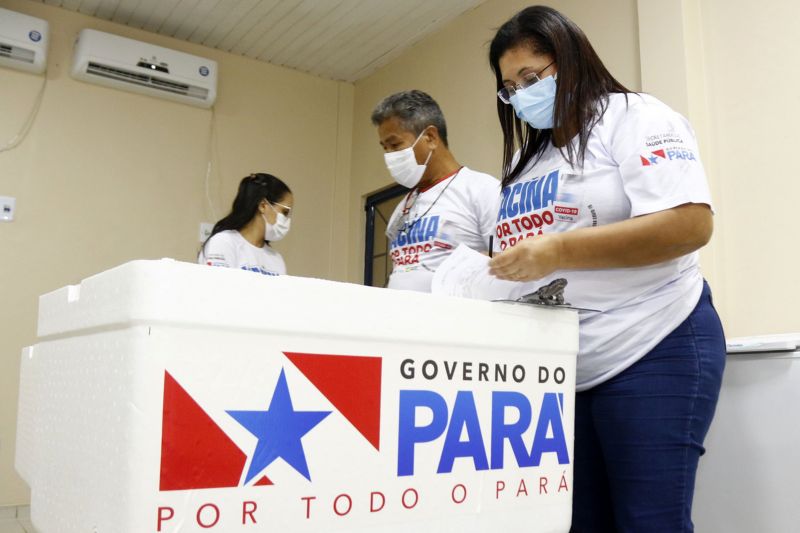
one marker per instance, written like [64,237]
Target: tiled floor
[16,520]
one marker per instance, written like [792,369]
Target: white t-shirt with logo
[459,209]
[641,158]
[230,249]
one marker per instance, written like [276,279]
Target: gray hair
[416,111]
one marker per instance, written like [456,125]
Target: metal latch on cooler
[550,294]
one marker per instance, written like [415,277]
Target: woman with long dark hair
[261,213]
[604,187]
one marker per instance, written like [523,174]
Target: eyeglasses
[508,91]
[287,211]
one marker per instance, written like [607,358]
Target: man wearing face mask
[260,214]
[448,204]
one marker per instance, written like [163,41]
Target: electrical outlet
[8,206]
[205,230]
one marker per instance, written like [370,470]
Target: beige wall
[107,176]
[750,54]
[452,65]
[726,65]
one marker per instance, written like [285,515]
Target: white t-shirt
[640,158]
[459,209]
[229,249]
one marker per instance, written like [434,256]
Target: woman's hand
[530,259]
[635,242]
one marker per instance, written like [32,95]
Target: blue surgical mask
[535,104]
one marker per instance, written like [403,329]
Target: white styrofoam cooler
[170,397]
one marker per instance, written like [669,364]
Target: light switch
[7,207]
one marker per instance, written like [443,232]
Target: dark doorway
[379,207]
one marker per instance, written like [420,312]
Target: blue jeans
[639,436]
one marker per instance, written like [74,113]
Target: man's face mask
[403,165]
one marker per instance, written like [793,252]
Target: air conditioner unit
[23,41]
[121,63]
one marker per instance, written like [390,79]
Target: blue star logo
[653,159]
[279,431]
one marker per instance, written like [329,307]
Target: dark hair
[415,109]
[582,91]
[252,189]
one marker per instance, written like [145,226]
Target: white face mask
[403,165]
[277,231]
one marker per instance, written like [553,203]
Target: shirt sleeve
[488,205]
[219,251]
[656,151]
[281,263]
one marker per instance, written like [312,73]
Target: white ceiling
[338,39]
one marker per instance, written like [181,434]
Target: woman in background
[261,213]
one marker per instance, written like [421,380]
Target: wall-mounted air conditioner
[23,41]
[144,68]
